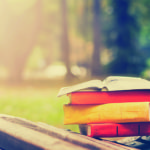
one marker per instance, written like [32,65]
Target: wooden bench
[21,134]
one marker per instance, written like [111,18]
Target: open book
[112,83]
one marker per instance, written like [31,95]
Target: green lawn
[35,104]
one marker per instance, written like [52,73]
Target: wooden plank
[21,134]
[84,140]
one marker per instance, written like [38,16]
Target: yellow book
[106,113]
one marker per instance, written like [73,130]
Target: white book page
[85,85]
[112,83]
[116,83]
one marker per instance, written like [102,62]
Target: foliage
[126,56]
[35,26]
[141,10]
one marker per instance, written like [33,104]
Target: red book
[103,97]
[116,130]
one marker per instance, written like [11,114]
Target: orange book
[107,113]
[93,97]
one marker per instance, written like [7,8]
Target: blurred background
[46,44]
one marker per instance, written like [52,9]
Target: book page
[93,84]
[115,83]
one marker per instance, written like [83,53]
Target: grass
[35,104]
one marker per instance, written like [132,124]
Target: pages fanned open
[112,83]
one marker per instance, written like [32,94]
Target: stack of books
[115,107]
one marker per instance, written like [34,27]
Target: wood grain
[21,134]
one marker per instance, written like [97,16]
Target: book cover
[116,129]
[95,97]
[106,113]
[112,83]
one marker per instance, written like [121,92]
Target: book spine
[119,130]
[102,130]
[109,97]
[106,113]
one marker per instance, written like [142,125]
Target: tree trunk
[96,68]
[65,40]
[22,37]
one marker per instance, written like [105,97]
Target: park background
[49,44]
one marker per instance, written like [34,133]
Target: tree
[126,57]
[84,29]
[19,32]
[65,40]
[96,67]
